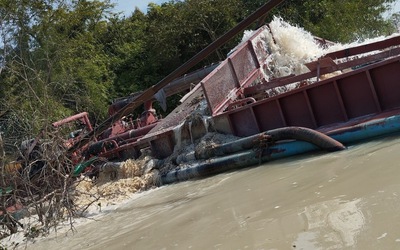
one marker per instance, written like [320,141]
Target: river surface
[342,200]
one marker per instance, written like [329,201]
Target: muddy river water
[342,200]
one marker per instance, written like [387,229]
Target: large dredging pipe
[227,156]
[351,134]
[249,157]
[242,159]
[231,162]
[149,93]
[269,137]
[236,154]
[287,133]
[113,142]
[176,86]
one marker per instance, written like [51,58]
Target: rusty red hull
[367,88]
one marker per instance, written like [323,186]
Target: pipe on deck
[351,134]
[246,158]
[287,133]
[235,161]
[239,154]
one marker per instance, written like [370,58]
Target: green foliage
[338,20]
[53,64]
[124,43]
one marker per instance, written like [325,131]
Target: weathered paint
[248,158]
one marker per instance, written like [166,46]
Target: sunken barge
[344,96]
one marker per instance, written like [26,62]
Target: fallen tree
[39,186]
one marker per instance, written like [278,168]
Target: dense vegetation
[60,57]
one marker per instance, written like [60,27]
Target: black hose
[272,136]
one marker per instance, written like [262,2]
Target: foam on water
[115,185]
[290,47]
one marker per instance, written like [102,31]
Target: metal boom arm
[149,93]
